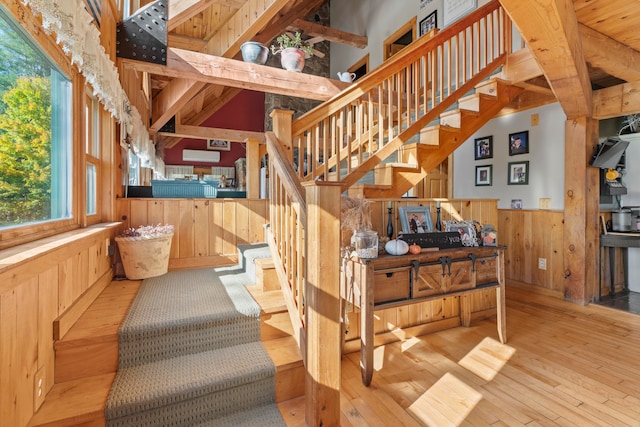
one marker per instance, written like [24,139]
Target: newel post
[253,168]
[322,303]
[282,120]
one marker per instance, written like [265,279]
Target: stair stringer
[448,139]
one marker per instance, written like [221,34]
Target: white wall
[376,19]
[546,160]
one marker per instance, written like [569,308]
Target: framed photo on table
[467,230]
[415,219]
[218,144]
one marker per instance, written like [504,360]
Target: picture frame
[484,175]
[519,143]
[218,144]
[516,203]
[428,23]
[467,230]
[483,148]
[415,219]
[518,173]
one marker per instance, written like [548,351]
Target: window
[134,168]
[400,39]
[92,153]
[35,132]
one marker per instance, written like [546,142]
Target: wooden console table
[613,240]
[389,281]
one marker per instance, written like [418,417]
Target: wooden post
[282,129]
[322,304]
[253,168]
[581,207]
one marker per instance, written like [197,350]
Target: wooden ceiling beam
[330,34]
[181,11]
[198,67]
[170,100]
[246,22]
[550,29]
[616,101]
[609,55]
[203,132]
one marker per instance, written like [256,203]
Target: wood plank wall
[40,283]
[205,229]
[530,235]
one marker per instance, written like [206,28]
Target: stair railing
[287,224]
[347,136]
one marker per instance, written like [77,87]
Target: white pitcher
[346,76]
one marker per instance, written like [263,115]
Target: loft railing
[344,138]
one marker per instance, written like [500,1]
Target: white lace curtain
[80,40]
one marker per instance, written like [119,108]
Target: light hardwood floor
[563,365]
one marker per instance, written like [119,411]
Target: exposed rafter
[609,55]
[222,44]
[329,34]
[202,68]
[550,29]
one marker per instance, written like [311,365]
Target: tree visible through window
[35,123]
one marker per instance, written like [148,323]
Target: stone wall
[314,65]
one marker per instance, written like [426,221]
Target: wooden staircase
[87,356]
[438,141]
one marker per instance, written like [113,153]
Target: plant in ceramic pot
[145,250]
[293,51]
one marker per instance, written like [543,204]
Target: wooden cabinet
[390,281]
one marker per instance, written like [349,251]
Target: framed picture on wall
[429,23]
[218,144]
[483,175]
[483,148]
[519,143]
[518,173]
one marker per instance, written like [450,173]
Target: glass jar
[367,244]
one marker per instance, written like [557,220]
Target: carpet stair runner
[190,354]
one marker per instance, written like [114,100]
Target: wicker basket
[144,257]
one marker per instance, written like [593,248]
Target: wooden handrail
[361,126]
[284,169]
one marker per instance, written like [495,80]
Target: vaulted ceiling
[575,48]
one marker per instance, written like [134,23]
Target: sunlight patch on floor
[447,403]
[378,357]
[487,358]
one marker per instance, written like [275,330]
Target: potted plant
[145,250]
[292,50]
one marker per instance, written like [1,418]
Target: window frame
[19,234]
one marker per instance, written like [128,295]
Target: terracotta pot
[292,59]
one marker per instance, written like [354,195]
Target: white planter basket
[144,257]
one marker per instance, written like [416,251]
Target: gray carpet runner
[190,355]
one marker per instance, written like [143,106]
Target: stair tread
[284,352]
[269,301]
[103,317]
[185,377]
[76,401]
